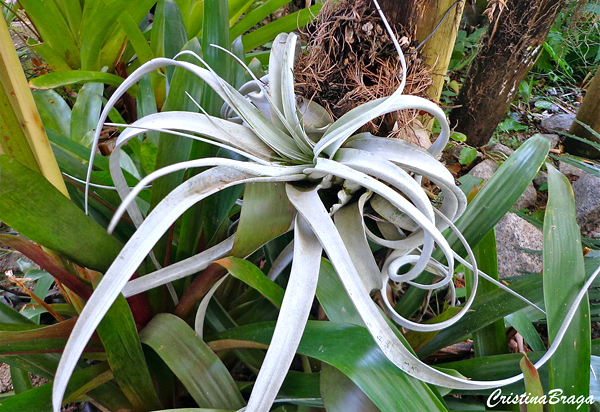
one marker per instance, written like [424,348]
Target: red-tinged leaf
[140,307]
[47,262]
[198,288]
[533,385]
[19,339]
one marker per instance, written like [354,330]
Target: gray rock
[527,199]
[513,233]
[561,122]
[540,179]
[485,169]
[488,167]
[499,148]
[568,169]
[554,138]
[8,261]
[587,202]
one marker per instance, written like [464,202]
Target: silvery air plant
[291,141]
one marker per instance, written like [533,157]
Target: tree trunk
[420,19]
[509,50]
[437,49]
[589,114]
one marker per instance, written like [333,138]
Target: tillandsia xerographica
[291,141]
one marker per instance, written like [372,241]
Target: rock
[568,169]
[513,233]
[9,260]
[488,167]
[498,147]
[587,200]
[527,199]
[540,179]
[485,169]
[554,138]
[561,122]
[5,382]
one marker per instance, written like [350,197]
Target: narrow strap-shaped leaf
[533,386]
[340,394]
[256,16]
[288,23]
[215,31]
[267,131]
[319,220]
[72,13]
[350,225]
[124,353]
[275,79]
[346,125]
[525,328]
[207,126]
[333,297]
[178,270]
[361,360]
[134,252]
[292,317]
[490,340]
[330,167]
[564,273]
[38,211]
[65,78]
[370,164]
[21,132]
[85,113]
[180,84]
[216,84]
[419,161]
[278,173]
[38,399]
[53,29]
[54,111]
[491,203]
[285,87]
[136,37]
[46,262]
[266,214]
[253,277]
[20,380]
[190,358]
[101,38]
[490,307]
[281,262]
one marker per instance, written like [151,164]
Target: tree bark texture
[588,113]
[407,14]
[508,51]
[437,22]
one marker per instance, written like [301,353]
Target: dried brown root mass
[351,60]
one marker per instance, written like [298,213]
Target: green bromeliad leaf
[124,354]
[38,211]
[266,214]
[564,274]
[373,374]
[190,358]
